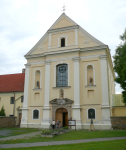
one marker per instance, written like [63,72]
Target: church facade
[69,75]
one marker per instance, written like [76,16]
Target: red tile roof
[12,82]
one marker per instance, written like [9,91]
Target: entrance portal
[62,116]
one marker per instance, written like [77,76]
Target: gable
[85,41]
[63,22]
[77,37]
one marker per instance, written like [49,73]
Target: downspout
[14,105]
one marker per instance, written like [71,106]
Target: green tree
[2,111]
[120,65]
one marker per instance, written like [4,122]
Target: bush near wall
[7,121]
[118,122]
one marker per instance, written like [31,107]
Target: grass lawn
[104,145]
[72,135]
[18,131]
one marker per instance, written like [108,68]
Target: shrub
[2,111]
[46,131]
[66,127]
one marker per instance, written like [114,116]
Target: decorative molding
[63,29]
[62,87]
[76,36]
[61,51]
[103,56]
[27,65]
[47,62]
[49,45]
[90,86]
[77,59]
[86,41]
[94,48]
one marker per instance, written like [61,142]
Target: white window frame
[40,78]
[87,112]
[86,73]
[32,114]
[59,39]
[55,72]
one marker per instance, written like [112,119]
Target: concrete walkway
[21,136]
[58,142]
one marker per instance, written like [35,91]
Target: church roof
[12,82]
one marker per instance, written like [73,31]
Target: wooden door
[66,119]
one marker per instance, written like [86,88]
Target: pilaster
[76,107]
[105,91]
[25,103]
[46,108]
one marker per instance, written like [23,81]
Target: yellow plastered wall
[5,101]
[118,111]
[33,91]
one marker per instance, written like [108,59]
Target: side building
[69,75]
[12,94]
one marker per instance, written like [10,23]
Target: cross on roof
[63,8]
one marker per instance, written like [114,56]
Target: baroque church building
[69,75]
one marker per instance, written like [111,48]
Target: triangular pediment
[64,24]
[63,21]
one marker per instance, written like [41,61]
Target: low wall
[7,121]
[118,122]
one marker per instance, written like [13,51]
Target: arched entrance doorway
[62,116]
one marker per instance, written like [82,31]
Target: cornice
[102,56]
[76,59]
[61,51]
[94,48]
[67,51]
[62,29]
[27,65]
[33,56]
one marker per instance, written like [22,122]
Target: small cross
[63,8]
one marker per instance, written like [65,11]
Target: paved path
[58,142]
[22,136]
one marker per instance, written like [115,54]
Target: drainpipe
[14,105]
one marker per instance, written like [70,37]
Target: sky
[24,22]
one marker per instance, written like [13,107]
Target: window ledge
[61,87]
[36,89]
[90,85]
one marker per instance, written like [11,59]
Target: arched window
[62,42]
[62,75]
[91,113]
[35,114]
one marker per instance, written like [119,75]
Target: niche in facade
[37,96]
[90,80]
[37,79]
[61,94]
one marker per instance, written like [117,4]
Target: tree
[2,111]
[120,65]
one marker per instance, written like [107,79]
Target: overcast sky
[24,22]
